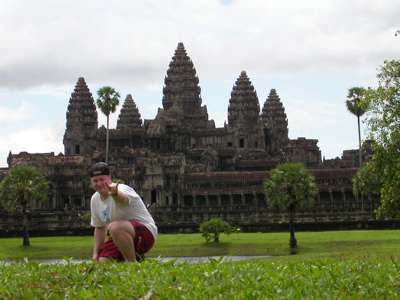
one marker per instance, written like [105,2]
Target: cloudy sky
[310,51]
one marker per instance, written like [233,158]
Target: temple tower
[275,124]
[182,98]
[129,116]
[243,115]
[80,136]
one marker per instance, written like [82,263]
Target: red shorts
[143,242]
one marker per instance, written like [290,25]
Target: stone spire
[129,116]
[244,107]
[275,123]
[182,99]
[82,123]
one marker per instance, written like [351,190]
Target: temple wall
[176,219]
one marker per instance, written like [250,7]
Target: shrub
[212,229]
[86,217]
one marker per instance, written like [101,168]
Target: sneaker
[140,257]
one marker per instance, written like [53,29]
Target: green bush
[212,229]
[86,217]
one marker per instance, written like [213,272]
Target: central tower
[182,93]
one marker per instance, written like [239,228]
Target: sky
[310,51]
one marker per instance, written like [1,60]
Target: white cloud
[311,51]
[117,39]
[33,140]
[9,114]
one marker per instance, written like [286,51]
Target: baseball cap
[98,169]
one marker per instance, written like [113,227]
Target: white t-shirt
[107,211]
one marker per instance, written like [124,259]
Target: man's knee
[122,225]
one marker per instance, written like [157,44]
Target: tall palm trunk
[25,235]
[293,240]
[359,142]
[360,157]
[107,138]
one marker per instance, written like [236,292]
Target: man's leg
[123,234]
[105,260]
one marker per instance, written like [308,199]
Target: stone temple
[181,159]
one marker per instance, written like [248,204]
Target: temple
[181,159]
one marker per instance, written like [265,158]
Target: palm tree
[291,185]
[107,102]
[19,188]
[357,107]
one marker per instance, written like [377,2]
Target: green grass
[328,265]
[310,245]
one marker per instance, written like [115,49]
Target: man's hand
[112,188]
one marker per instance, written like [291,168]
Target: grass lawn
[310,245]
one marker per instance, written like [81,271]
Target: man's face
[98,183]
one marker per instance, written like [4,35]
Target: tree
[107,102]
[383,125]
[357,106]
[212,229]
[291,185]
[366,182]
[23,185]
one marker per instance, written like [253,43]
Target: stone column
[219,200]
[54,201]
[83,200]
[330,195]
[195,204]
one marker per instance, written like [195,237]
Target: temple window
[241,143]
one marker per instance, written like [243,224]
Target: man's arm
[100,234]
[120,197]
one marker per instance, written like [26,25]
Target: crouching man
[118,210]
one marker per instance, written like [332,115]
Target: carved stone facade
[181,158]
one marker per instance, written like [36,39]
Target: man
[117,209]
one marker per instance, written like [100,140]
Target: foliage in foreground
[219,279]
